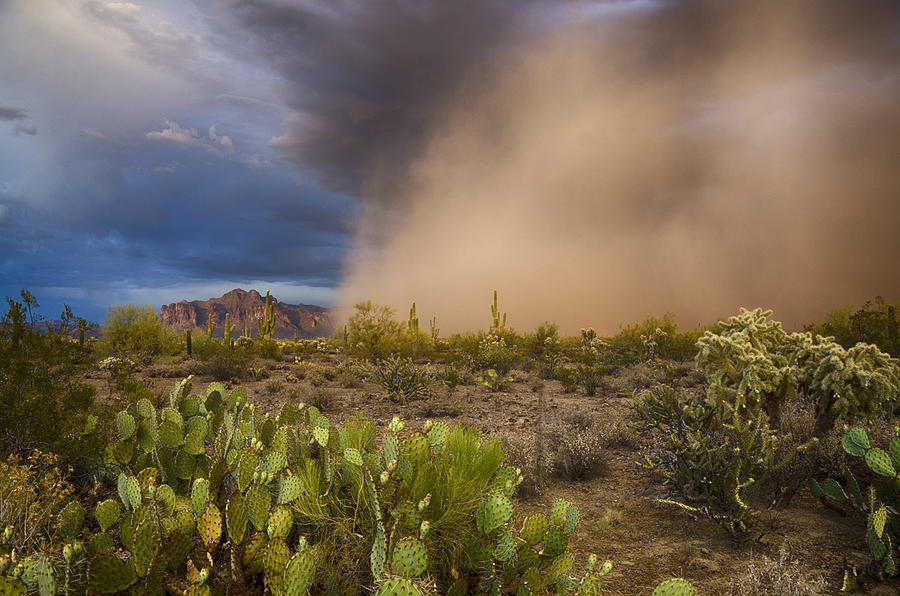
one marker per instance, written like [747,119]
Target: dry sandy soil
[647,542]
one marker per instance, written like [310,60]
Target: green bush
[483,351]
[544,347]
[399,377]
[653,337]
[134,329]
[43,403]
[371,332]
[875,323]
[268,349]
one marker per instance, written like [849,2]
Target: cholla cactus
[650,341]
[753,364]
[591,344]
[115,365]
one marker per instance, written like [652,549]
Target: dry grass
[570,448]
[782,577]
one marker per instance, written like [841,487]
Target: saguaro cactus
[499,322]
[229,328]
[413,325]
[209,325]
[266,324]
[435,332]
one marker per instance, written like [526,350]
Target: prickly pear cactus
[399,586]
[11,586]
[258,503]
[209,526]
[275,560]
[409,559]
[493,512]
[280,521]
[236,518]
[534,528]
[107,574]
[71,518]
[674,587]
[299,574]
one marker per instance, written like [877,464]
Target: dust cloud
[616,160]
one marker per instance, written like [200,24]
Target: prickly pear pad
[410,559]
[674,587]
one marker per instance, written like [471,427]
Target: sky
[594,161]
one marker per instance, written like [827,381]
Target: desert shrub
[43,402]
[544,347]
[348,380]
[267,348]
[258,373]
[781,577]
[493,380]
[219,361]
[316,373]
[568,378]
[371,331]
[577,453]
[401,378]
[875,323]
[653,337]
[494,353]
[452,375]
[716,462]
[274,386]
[134,390]
[31,493]
[119,370]
[322,398]
[573,448]
[224,364]
[138,330]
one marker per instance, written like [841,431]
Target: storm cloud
[600,161]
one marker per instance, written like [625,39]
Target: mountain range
[244,308]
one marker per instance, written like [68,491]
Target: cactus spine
[266,325]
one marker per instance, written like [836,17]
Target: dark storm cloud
[364,79]
[12,113]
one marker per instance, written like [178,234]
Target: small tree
[371,331]
[138,330]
